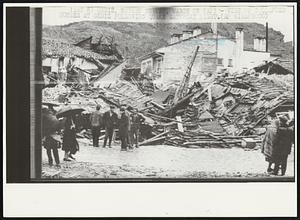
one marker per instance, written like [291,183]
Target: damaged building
[216,53]
[63,62]
[177,88]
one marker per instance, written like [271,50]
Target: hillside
[137,39]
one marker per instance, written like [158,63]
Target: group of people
[277,143]
[128,125]
[52,140]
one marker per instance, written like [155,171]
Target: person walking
[70,144]
[269,143]
[124,129]
[136,121]
[110,120]
[284,145]
[96,123]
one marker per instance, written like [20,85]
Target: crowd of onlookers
[128,126]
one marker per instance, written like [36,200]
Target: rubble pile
[236,106]
[251,105]
[121,93]
[192,139]
[223,114]
[55,94]
[124,92]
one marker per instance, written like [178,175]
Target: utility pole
[267,36]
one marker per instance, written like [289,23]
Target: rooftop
[152,54]
[53,47]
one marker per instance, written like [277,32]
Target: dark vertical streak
[17,95]
[36,92]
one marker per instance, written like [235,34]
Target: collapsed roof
[275,67]
[53,47]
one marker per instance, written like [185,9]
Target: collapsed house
[64,62]
[105,45]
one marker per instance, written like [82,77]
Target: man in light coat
[96,124]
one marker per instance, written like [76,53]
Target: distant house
[104,46]
[216,53]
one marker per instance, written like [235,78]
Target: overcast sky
[280,18]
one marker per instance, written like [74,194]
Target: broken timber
[155,138]
[182,89]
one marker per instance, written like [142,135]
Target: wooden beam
[151,141]
[154,138]
[179,124]
[157,105]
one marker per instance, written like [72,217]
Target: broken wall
[250,59]
[178,56]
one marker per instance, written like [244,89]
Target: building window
[144,66]
[158,65]
[209,64]
[61,62]
[230,62]
[209,61]
[220,62]
[148,67]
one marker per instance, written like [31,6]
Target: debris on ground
[230,111]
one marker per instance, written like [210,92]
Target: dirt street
[161,161]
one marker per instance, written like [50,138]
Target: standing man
[124,126]
[110,119]
[269,143]
[136,121]
[96,123]
[127,112]
[284,145]
[52,144]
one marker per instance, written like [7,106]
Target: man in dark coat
[96,123]
[269,143]
[136,121]
[110,120]
[51,141]
[124,129]
[283,146]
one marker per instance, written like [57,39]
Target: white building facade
[216,53]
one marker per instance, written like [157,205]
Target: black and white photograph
[176,109]
[153,99]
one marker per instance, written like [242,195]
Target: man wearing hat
[110,119]
[96,123]
[136,121]
[124,125]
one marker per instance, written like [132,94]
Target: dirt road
[161,161]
